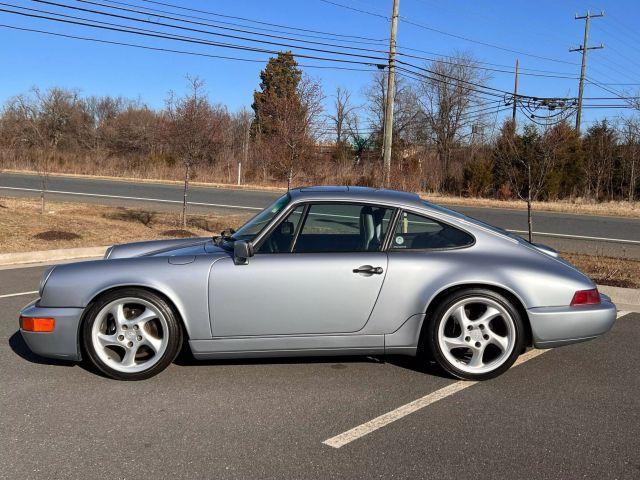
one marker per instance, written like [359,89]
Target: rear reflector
[586,297]
[37,324]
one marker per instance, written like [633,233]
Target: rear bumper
[556,326]
[63,342]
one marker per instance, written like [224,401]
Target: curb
[50,255]
[623,296]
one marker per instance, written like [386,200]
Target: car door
[318,272]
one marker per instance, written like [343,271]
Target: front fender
[185,285]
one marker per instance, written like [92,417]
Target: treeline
[446,139]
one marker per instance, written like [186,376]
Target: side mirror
[242,251]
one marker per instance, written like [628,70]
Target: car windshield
[250,229]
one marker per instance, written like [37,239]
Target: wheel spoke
[488,315]
[154,343]
[129,358]
[476,357]
[457,342]
[117,311]
[499,341]
[144,317]
[460,316]
[107,340]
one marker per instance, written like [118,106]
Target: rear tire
[475,334]
[131,334]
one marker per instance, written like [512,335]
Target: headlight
[45,277]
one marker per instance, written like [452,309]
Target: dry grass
[576,206]
[69,225]
[618,272]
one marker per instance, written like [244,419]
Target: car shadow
[20,348]
[185,359]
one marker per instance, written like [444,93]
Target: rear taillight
[586,297]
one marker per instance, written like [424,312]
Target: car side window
[415,232]
[343,227]
[281,238]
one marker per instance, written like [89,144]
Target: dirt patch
[56,235]
[178,233]
[144,217]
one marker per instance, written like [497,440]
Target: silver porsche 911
[322,271]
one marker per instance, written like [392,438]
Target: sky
[496,32]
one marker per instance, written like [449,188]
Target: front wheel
[131,334]
[475,334]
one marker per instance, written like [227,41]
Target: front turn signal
[37,324]
[586,297]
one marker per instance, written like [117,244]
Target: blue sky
[542,27]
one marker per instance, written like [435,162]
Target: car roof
[351,193]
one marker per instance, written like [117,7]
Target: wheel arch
[507,293]
[156,291]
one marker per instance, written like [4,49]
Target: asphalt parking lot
[572,412]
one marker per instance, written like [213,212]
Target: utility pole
[391,90]
[515,96]
[584,48]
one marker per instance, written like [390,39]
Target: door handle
[368,269]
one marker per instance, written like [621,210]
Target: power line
[169,50]
[453,35]
[258,22]
[162,35]
[323,36]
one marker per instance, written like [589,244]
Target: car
[322,271]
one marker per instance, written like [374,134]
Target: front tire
[475,334]
[131,334]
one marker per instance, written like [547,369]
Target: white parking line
[146,199]
[9,295]
[385,419]
[580,237]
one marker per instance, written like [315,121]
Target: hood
[163,248]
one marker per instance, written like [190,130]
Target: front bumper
[556,326]
[63,342]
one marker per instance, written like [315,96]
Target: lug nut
[470,327]
[466,339]
[139,337]
[481,327]
[120,337]
[477,344]
[135,327]
[130,344]
[124,327]
[486,337]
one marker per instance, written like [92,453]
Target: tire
[131,334]
[475,334]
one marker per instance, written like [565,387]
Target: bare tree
[189,131]
[343,111]
[528,160]
[446,96]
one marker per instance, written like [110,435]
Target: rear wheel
[131,334]
[475,334]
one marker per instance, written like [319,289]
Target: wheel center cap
[476,335]
[130,335]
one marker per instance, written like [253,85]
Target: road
[572,412]
[612,236]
